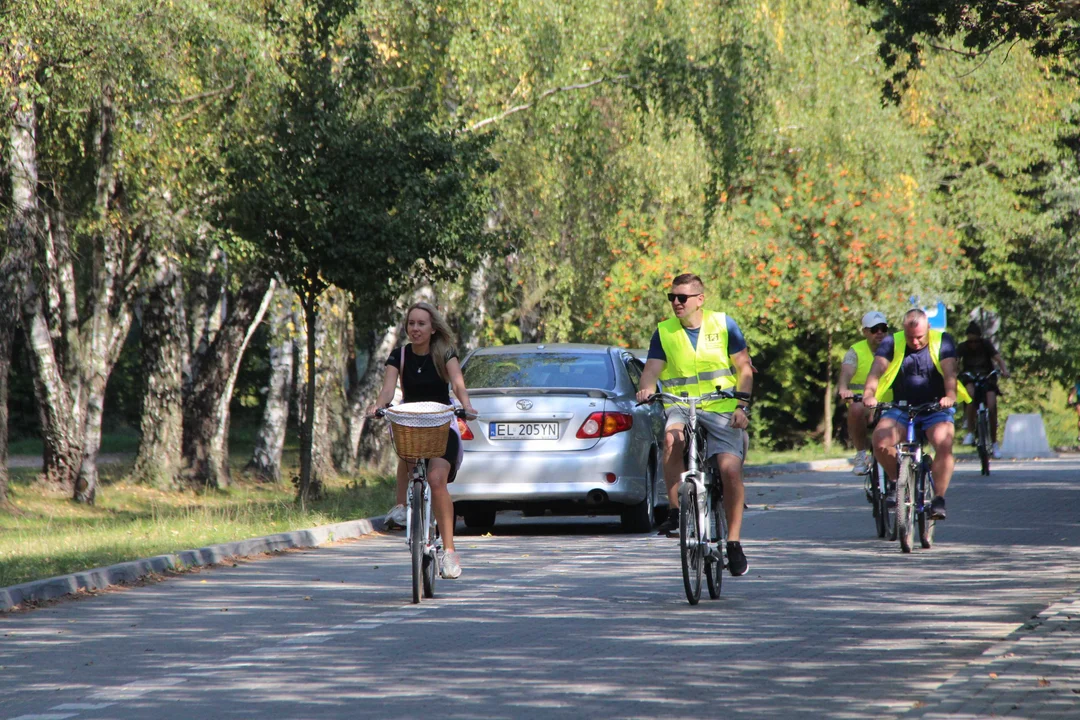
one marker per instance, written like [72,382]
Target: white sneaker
[451,568]
[396,517]
[969,439]
[862,463]
[995,451]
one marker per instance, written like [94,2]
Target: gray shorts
[721,438]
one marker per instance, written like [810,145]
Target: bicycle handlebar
[978,379]
[459,412]
[912,410]
[698,399]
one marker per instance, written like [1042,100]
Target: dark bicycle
[702,522]
[915,480]
[877,486]
[983,443]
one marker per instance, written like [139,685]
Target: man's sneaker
[451,567]
[937,508]
[862,463]
[396,517]
[670,524]
[736,559]
[969,439]
[995,451]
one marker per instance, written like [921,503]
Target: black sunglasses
[672,297]
[881,328]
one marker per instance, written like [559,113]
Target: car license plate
[523,431]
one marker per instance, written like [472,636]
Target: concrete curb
[99,578]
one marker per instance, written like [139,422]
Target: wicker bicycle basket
[420,429]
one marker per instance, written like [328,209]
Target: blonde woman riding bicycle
[425,367]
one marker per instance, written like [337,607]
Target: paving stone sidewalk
[1034,673]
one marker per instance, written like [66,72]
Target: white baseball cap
[873,318]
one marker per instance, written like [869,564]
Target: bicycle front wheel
[880,511]
[926,523]
[431,558]
[416,542]
[690,546]
[905,505]
[714,566]
[984,443]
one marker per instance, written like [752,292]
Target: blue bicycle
[915,479]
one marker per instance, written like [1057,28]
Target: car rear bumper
[522,478]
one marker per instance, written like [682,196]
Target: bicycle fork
[692,478]
[425,529]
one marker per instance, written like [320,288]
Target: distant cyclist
[919,366]
[694,353]
[853,372]
[978,356]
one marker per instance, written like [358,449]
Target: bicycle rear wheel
[416,541]
[690,548]
[880,511]
[926,523]
[431,558]
[905,506]
[984,442]
[714,567]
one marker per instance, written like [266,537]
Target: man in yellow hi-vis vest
[853,373]
[919,366]
[695,352]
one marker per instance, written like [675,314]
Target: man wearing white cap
[853,372]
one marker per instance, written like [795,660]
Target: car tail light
[463,429]
[603,424]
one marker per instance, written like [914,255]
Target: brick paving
[571,618]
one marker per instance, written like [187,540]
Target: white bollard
[1025,437]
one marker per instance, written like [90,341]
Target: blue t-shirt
[735,340]
[918,381]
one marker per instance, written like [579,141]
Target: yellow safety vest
[701,370]
[865,360]
[899,343]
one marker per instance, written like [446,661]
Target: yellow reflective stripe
[713,374]
[678,382]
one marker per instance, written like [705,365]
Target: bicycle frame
[910,450]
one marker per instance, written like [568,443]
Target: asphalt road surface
[569,617]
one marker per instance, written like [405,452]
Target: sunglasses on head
[880,328]
[672,297]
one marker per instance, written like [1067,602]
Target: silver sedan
[559,430]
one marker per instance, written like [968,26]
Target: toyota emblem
[524,404]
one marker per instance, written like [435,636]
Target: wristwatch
[745,409]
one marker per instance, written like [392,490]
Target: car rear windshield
[541,370]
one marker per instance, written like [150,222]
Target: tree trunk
[26,230]
[22,230]
[160,456]
[307,488]
[827,441]
[110,301]
[266,460]
[329,427]
[364,388]
[475,310]
[206,407]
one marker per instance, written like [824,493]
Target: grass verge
[51,535]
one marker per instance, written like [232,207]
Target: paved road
[559,619]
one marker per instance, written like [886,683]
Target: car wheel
[479,519]
[639,518]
